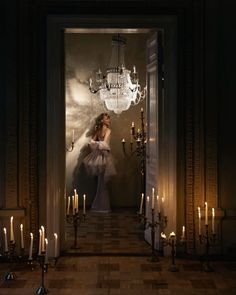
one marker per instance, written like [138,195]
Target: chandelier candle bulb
[22,237]
[199,221]
[11,229]
[55,244]
[5,240]
[46,251]
[206,213]
[84,207]
[31,246]
[141,204]
[213,221]
[43,239]
[40,242]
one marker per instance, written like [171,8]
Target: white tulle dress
[100,162]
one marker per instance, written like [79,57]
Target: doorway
[55,192]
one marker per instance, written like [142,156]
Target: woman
[100,162]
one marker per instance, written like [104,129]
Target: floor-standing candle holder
[208,239]
[75,220]
[44,268]
[161,222]
[172,242]
[140,137]
[10,257]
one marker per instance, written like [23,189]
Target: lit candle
[43,239]
[153,192]
[76,203]
[73,135]
[134,68]
[199,221]
[206,213]
[31,246]
[213,220]
[147,206]
[5,239]
[183,232]
[163,236]
[84,207]
[158,207]
[40,242]
[73,204]
[68,206]
[46,251]
[11,230]
[172,235]
[21,237]
[141,204]
[55,244]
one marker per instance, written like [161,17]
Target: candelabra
[172,242]
[9,255]
[161,222]
[208,239]
[139,136]
[75,220]
[43,262]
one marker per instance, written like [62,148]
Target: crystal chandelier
[119,87]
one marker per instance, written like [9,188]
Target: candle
[147,206]
[22,237]
[5,239]
[158,207]
[46,251]
[199,221]
[183,232]
[68,206]
[73,204]
[213,220]
[40,242]
[134,68]
[76,203]
[153,191]
[11,230]
[43,238]
[84,210]
[90,82]
[206,213]
[172,235]
[55,244]
[141,204]
[73,135]
[163,235]
[31,246]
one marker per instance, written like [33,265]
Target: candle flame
[11,218]
[46,241]
[55,235]
[5,230]
[42,227]
[84,196]
[21,226]
[31,235]
[163,235]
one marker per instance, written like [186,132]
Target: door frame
[52,183]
